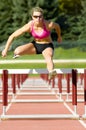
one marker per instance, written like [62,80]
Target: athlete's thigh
[48,52]
[26,49]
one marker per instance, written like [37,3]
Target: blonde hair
[36,9]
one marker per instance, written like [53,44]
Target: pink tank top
[45,33]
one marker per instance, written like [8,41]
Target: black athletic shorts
[41,47]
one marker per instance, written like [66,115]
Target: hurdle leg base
[84,116]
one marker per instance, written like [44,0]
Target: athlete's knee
[16,51]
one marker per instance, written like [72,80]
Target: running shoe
[16,56]
[52,74]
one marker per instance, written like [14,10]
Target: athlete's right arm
[17,33]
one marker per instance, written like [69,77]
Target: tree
[82,22]
[15,13]
[69,11]
[5,19]
[70,7]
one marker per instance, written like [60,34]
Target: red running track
[42,108]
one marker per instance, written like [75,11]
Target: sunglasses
[35,16]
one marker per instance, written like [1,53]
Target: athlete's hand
[59,39]
[4,53]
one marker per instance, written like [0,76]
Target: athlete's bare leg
[25,49]
[48,55]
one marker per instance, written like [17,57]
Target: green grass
[60,53]
[23,57]
[73,53]
[41,65]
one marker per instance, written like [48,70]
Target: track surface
[32,88]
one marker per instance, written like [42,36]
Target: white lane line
[43,61]
[80,121]
[65,104]
[9,105]
[83,123]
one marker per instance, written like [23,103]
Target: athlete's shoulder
[29,23]
[49,24]
[27,26]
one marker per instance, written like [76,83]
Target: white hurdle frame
[40,116]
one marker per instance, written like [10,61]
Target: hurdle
[5,91]
[68,88]
[84,116]
[39,116]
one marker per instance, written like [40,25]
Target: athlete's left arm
[57,29]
